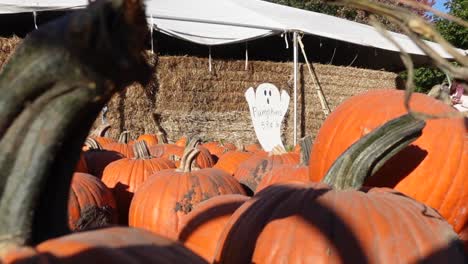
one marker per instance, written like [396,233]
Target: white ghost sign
[267,109]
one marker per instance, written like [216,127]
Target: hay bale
[188,99]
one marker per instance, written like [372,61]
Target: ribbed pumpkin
[99,134]
[119,245]
[174,152]
[251,171]
[124,176]
[166,196]
[230,161]
[317,223]
[217,149]
[96,158]
[201,228]
[91,204]
[290,172]
[81,165]
[433,170]
[150,139]
[122,146]
[253,148]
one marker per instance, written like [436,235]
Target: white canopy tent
[216,22]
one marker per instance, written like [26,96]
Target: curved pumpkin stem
[92,144]
[188,159]
[141,151]
[101,130]
[278,150]
[46,111]
[306,146]
[123,138]
[366,156]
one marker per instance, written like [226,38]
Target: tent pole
[295,85]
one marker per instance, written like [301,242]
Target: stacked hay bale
[185,98]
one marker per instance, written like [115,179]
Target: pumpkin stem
[278,150]
[141,150]
[306,145]
[100,130]
[187,160]
[161,138]
[366,156]
[46,113]
[92,144]
[239,145]
[123,138]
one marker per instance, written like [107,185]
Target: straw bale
[189,99]
[7,46]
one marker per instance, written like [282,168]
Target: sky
[439,5]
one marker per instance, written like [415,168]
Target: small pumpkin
[339,222]
[160,202]
[100,134]
[251,171]
[90,204]
[217,149]
[124,176]
[151,139]
[290,172]
[201,228]
[96,158]
[122,146]
[231,160]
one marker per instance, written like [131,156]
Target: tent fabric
[217,22]
[22,6]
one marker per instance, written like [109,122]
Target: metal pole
[295,84]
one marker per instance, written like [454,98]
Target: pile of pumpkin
[231,204]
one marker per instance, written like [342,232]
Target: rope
[321,96]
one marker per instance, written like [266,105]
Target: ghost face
[267,94]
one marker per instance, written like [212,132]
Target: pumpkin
[160,202]
[81,165]
[108,245]
[201,228]
[90,204]
[96,158]
[99,134]
[174,152]
[433,170]
[122,146]
[290,172]
[230,161]
[124,176]
[217,149]
[150,139]
[339,222]
[251,171]
[253,148]
[181,142]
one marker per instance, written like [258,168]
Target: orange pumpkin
[201,228]
[290,172]
[251,171]
[124,176]
[150,139]
[433,170]
[160,203]
[230,161]
[119,245]
[122,146]
[217,149]
[96,158]
[90,204]
[340,222]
